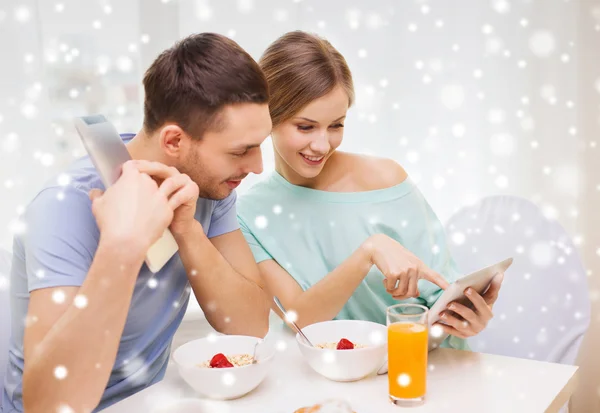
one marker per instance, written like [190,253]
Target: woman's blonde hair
[301,67]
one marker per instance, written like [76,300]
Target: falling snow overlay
[505,104]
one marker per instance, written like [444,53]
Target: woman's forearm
[324,300]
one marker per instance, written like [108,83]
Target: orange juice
[407,360]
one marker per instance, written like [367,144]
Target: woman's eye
[337,126]
[240,154]
[304,128]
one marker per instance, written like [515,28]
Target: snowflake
[541,254]
[458,238]
[353,18]
[439,182]
[493,45]
[374,21]
[412,156]
[58,296]
[376,337]
[501,6]
[203,10]
[452,96]
[436,331]
[64,408]
[80,301]
[542,43]
[64,179]
[281,345]
[458,130]
[245,6]
[22,14]
[403,380]
[60,372]
[291,316]
[329,356]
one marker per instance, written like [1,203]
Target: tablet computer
[108,153]
[479,281]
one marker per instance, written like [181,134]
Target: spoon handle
[282,309]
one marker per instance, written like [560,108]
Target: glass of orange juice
[407,354]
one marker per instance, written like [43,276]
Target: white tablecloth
[458,381]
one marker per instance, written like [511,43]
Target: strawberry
[219,361]
[345,344]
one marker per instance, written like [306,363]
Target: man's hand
[180,190]
[133,211]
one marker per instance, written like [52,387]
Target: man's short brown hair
[189,83]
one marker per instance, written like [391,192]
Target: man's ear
[172,140]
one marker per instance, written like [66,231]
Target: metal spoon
[298,330]
[254,360]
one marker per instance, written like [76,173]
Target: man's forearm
[232,303]
[85,339]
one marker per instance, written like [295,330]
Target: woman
[340,235]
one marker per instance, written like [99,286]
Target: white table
[458,381]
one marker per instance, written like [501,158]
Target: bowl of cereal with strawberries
[224,367]
[344,350]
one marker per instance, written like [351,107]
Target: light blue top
[57,250]
[311,232]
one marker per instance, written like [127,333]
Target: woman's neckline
[372,195]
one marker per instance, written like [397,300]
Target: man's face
[220,160]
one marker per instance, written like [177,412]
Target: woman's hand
[401,268]
[462,321]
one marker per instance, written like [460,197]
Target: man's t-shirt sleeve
[60,239]
[224,217]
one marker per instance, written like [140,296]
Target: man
[91,324]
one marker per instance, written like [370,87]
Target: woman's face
[307,140]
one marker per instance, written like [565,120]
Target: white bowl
[345,365]
[224,383]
